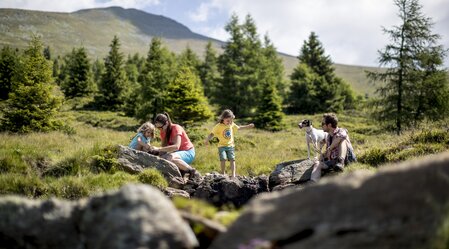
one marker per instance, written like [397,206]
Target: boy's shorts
[226,153]
[186,155]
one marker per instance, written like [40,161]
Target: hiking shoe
[339,166]
[192,173]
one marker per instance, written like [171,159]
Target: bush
[431,136]
[152,177]
[374,157]
[68,187]
[106,161]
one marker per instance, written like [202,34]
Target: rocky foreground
[401,206]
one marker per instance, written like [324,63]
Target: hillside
[95,28]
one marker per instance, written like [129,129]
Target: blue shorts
[226,153]
[186,155]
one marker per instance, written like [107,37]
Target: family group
[176,146]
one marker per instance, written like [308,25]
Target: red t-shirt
[175,131]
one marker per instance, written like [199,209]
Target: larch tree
[415,82]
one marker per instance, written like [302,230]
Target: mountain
[95,28]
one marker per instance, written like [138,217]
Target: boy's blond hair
[147,126]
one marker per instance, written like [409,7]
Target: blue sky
[350,30]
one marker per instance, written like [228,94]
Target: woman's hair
[330,118]
[164,118]
[145,127]
[225,114]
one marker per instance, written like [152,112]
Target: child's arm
[208,138]
[241,127]
[144,146]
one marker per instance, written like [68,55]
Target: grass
[81,161]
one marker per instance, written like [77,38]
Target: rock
[298,171]
[401,206]
[172,192]
[134,161]
[220,190]
[26,223]
[136,216]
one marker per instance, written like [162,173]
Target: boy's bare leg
[223,167]
[232,167]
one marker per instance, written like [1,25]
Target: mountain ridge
[94,29]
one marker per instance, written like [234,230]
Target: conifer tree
[97,71]
[415,81]
[269,111]
[114,86]
[8,62]
[78,79]
[186,101]
[155,78]
[31,105]
[239,67]
[190,59]
[329,93]
[209,73]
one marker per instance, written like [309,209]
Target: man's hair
[330,118]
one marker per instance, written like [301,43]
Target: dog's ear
[310,122]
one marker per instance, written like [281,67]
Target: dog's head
[305,123]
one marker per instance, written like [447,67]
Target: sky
[349,30]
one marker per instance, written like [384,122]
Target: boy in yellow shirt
[224,131]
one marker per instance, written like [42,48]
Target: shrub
[374,157]
[68,187]
[106,161]
[431,136]
[153,177]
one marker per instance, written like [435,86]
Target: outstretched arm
[241,127]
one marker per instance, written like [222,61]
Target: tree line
[247,77]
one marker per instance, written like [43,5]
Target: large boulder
[220,189]
[26,223]
[401,206]
[134,161]
[136,216]
[291,172]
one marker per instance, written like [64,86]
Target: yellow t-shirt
[225,134]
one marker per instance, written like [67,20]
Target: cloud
[350,30]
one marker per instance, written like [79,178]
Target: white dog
[314,136]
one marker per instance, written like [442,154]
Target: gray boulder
[286,173]
[401,206]
[26,223]
[134,161]
[138,216]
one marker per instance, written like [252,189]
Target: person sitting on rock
[339,150]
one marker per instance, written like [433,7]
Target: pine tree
[239,88]
[78,81]
[155,78]
[269,111]
[31,105]
[190,59]
[414,78]
[209,73]
[186,101]
[114,86]
[329,93]
[8,62]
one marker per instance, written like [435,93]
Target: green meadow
[81,160]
